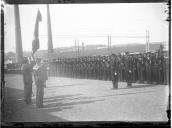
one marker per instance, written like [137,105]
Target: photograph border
[85,123]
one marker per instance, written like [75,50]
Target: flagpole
[49,32]
[19,49]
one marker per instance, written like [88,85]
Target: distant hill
[90,50]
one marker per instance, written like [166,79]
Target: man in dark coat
[114,69]
[148,68]
[129,68]
[135,70]
[40,80]
[27,79]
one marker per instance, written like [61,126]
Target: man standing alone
[27,79]
[40,75]
[114,70]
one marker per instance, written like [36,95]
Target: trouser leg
[39,96]
[30,93]
[25,93]
[129,79]
[115,80]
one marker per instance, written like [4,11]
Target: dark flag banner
[35,42]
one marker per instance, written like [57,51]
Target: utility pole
[83,47]
[78,47]
[148,41]
[18,39]
[108,44]
[75,47]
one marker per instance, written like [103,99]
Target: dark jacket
[27,74]
[41,75]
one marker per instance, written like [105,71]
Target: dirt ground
[67,99]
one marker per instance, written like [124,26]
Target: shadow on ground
[127,94]
[17,111]
[140,86]
[67,85]
[61,102]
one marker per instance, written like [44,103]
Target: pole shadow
[140,86]
[16,110]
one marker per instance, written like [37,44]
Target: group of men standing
[36,68]
[151,68]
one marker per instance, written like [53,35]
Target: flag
[35,42]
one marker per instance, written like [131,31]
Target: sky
[89,23]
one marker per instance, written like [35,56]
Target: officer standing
[114,69]
[109,68]
[40,80]
[135,70]
[129,68]
[148,68]
[27,79]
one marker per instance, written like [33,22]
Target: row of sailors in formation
[152,68]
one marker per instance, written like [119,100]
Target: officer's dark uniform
[27,79]
[148,69]
[114,69]
[139,67]
[120,69]
[40,79]
[109,69]
[156,64]
[92,69]
[144,67]
[166,70]
[123,69]
[104,69]
[135,70]
[160,69]
[129,65]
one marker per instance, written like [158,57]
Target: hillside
[90,50]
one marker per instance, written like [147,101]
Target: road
[67,99]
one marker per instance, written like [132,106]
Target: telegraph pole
[148,41]
[83,47]
[18,39]
[78,47]
[108,44]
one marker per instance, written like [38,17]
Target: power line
[92,36]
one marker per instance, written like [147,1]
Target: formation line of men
[151,68]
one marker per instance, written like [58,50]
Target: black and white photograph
[86,62]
